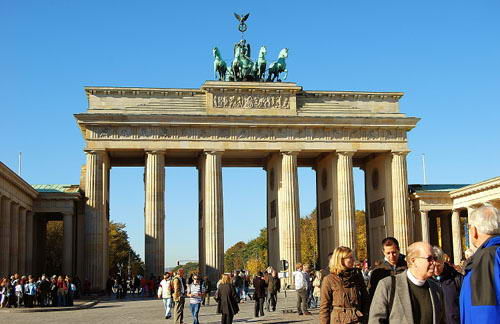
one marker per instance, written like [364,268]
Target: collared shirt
[300,280]
[416,281]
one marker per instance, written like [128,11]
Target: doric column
[400,200]
[288,212]
[5,231]
[14,237]
[345,189]
[457,237]
[470,209]
[424,219]
[94,221]
[29,242]
[22,241]
[214,215]
[154,218]
[68,244]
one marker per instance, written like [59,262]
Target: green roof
[434,187]
[55,188]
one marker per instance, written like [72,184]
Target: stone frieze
[263,134]
[251,101]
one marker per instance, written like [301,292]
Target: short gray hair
[486,219]
[438,253]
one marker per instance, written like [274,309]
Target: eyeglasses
[429,259]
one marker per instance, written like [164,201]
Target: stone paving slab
[149,310]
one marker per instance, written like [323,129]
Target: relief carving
[251,101]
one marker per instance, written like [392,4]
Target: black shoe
[301,314]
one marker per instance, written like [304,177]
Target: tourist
[178,296]
[246,286]
[450,281]
[317,288]
[30,292]
[273,287]
[344,298]
[309,279]
[259,295]
[195,293]
[4,292]
[227,300]
[207,286]
[409,297]
[19,293]
[238,283]
[393,263]
[479,302]
[61,288]
[165,292]
[301,288]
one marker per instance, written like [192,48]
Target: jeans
[195,309]
[271,301]
[167,303]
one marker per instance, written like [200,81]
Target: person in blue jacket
[480,294]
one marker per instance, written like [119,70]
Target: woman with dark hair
[344,298]
[227,300]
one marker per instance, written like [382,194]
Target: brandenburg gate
[277,126]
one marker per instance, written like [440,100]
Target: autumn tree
[233,258]
[120,251]
[309,239]
[54,248]
[361,235]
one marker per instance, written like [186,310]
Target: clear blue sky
[445,55]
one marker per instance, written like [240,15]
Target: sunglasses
[429,259]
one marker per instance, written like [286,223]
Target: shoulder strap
[393,293]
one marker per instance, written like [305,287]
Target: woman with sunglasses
[195,292]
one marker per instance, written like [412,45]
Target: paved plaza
[140,310]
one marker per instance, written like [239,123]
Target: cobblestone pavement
[139,310]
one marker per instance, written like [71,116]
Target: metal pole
[423,168]
[20,163]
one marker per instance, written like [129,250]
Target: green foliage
[240,254]
[233,258]
[121,252]
[189,268]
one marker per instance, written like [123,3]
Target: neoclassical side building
[275,126]
[24,212]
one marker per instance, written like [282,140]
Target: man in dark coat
[450,282]
[394,263]
[259,284]
[273,287]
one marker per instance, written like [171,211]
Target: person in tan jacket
[178,296]
[344,298]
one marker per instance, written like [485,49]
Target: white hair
[438,253]
[486,219]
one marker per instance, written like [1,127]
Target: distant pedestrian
[259,285]
[165,292]
[301,285]
[273,287]
[178,296]
[207,286]
[317,288]
[479,297]
[227,300]
[195,293]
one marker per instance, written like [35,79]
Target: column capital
[288,152]
[154,151]
[424,210]
[349,153]
[400,152]
[95,151]
[214,152]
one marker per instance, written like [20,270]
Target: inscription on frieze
[251,101]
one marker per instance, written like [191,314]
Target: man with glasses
[479,297]
[195,293]
[410,297]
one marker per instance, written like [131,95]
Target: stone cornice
[354,95]
[406,123]
[146,92]
[474,188]
[17,181]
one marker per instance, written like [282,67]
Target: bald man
[409,297]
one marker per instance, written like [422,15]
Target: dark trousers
[227,318]
[259,306]
[271,301]
[179,311]
[302,300]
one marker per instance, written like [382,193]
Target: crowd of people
[28,291]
